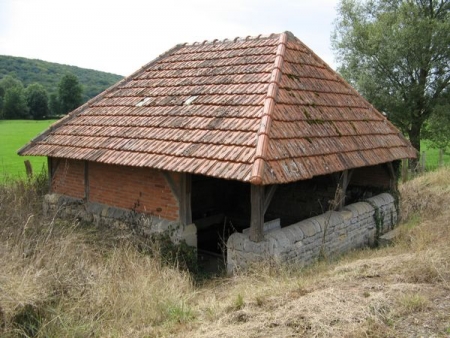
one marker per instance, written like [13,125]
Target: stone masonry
[326,235]
[101,214]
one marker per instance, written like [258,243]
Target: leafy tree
[70,93]
[438,128]
[55,108]
[396,53]
[15,103]
[37,101]
[8,82]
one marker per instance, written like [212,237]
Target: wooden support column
[86,180]
[182,192]
[257,213]
[50,173]
[344,180]
[393,177]
[185,199]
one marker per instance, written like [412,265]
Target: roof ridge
[71,115]
[236,39]
[266,118]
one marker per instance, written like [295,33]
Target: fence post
[441,157]
[404,170]
[423,161]
[28,168]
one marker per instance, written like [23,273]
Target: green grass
[432,155]
[14,135]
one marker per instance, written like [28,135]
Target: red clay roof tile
[263,110]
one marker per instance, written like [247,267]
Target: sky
[121,36]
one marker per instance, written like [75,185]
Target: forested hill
[49,74]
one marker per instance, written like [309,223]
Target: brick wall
[143,190]
[68,177]
[140,189]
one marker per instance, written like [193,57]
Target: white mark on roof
[144,101]
[190,100]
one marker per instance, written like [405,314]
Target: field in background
[432,156]
[14,134]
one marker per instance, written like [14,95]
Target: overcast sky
[121,36]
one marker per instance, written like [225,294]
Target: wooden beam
[342,188]
[182,192]
[268,196]
[86,180]
[28,168]
[185,199]
[393,177]
[50,173]
[257,213]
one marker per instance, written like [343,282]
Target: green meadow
[14,134]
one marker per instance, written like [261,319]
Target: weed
[238,302]
[413,302]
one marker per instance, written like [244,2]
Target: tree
[438,127]
[69,93]
[8,82]
[15,104]
[37,101]
[55,107]
[396,53]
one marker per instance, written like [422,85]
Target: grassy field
[432,155]
[13,135]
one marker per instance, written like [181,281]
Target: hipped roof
[263,109]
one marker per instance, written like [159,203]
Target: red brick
[142,189]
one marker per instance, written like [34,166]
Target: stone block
[308,227]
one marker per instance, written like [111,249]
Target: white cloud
[120,37]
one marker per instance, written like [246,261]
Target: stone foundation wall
[101,214]
[329,234]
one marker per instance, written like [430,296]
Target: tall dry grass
[60,278]
[64,279]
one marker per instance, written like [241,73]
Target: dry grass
[64,279]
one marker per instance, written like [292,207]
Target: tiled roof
[263,110]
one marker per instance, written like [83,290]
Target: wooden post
[404,170]
[182,192]
[50,173]
[86,180]
[441,157]
[393,177]
[28,168]
[343,189]
[257,213]
[185,199]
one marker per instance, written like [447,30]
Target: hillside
[66,279]
[49,74]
